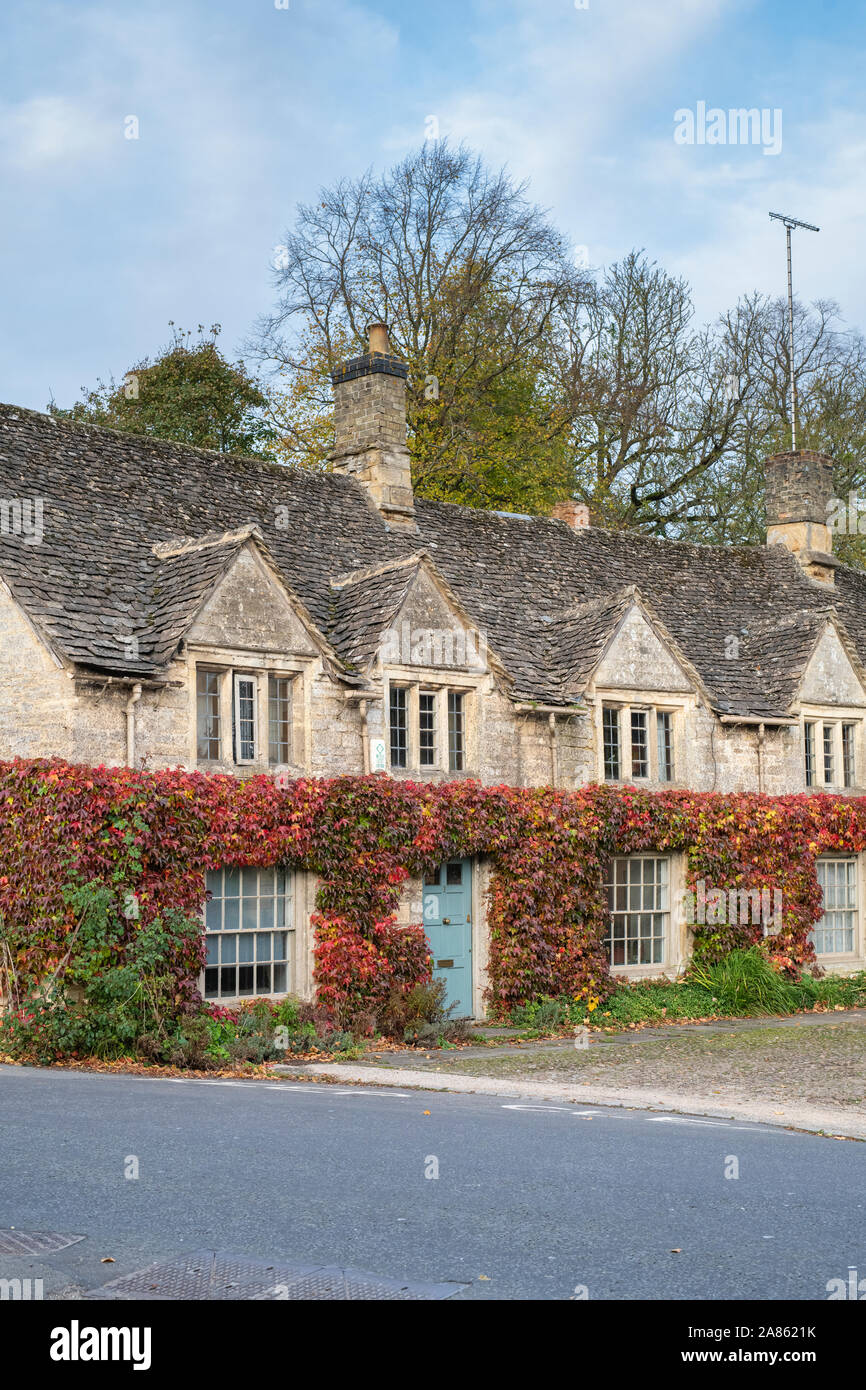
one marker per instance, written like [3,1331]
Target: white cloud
[50,132]
[731,246]
[582,103]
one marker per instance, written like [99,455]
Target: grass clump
[744,984]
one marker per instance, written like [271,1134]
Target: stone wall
[37,701]
[45,710]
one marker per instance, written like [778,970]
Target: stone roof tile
[528,583]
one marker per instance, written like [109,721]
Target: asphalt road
[538,1199]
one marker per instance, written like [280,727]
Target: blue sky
[245,109]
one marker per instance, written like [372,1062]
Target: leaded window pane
[244,721]
[427,728]
[279,719]
[207,715]
[639,744]
[665,733]
[848,769]
[610,742]
[398,726]
[456,735]
[809,747]
[828,755]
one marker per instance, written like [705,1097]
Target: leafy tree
[529,381]
[189,392]
[469,277]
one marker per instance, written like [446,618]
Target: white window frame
[632,892]
[239,678]
[217,933]
[833,722]
[651,709]
[856,952]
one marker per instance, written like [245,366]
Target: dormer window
[829,753]
[427,728]
[243,718]
[628,749]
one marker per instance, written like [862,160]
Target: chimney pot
[377,334]
[574,514]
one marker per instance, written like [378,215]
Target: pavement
[833,1043]
[461,1196]
[832,1122]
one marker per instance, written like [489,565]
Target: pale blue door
[448,924]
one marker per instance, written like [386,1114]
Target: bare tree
[648,396]
[830,368]
[531,380]
[468,274]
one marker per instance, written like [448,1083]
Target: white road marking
[279,1087]
[626,1114]
[561,1109]
[697,1120]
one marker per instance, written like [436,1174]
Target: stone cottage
[165,606]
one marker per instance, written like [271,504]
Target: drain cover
[34,1242]
[212,1275]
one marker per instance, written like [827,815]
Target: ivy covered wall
[151,836]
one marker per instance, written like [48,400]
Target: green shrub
[113,988]
[544,1015]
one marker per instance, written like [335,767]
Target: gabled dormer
[249,645]
[409,636]
[640,689]
[831,706]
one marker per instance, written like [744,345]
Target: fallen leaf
[676,1250]
[106,1260]
[426,1112]
[485,1277]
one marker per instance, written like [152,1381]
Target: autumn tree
[469,276]
[531,381]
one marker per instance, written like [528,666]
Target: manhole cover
[213,1276]
[34,1242]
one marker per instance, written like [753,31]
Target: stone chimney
[370,426]
[798,488]
[574,514]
